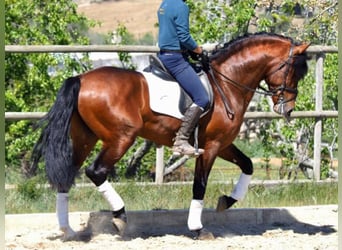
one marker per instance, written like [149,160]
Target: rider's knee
[203,102]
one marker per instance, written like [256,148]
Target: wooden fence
[319,114]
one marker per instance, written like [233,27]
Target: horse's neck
[250,65]
[241,81]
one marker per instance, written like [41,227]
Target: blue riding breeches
[186,76]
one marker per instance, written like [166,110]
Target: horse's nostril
[289,112]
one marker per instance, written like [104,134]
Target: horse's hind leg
[234,155]
[83,142]
[98,173]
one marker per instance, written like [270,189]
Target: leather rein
[271,92]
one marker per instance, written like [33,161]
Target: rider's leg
[190,82]
[189,122]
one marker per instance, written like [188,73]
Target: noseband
[283,88]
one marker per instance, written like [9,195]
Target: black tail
[54,144]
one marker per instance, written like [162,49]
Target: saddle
[157,69]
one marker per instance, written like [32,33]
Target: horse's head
[246,61]
[283,77]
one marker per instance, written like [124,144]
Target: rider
[174,41]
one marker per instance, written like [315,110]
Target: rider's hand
[198,50]
[204,59]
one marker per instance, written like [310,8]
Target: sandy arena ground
[311,227]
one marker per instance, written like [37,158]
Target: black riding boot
[181,145]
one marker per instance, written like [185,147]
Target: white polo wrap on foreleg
[111,196]
[195,214]
[241,187]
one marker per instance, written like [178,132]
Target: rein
[265,92]
[229,80]
[229,111]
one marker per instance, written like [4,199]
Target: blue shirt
[174,33]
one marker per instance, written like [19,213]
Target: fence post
[159,165]
[318,123]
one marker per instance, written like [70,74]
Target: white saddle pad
[165,95]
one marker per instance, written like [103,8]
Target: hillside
[139,16]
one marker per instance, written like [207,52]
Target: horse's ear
[300,49]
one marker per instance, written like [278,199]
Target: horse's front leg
[202,170]
[234,155]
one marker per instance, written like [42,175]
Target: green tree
[32,79]
[215,21]
[313,21]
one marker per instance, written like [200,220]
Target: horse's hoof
[120,225]
[222,203]
[68,234]
[204,234]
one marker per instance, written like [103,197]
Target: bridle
[279,91]
[283,88]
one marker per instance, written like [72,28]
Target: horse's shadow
[145,224]
[259,221]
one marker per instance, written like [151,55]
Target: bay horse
[112,105]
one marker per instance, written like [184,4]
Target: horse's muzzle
[284,110]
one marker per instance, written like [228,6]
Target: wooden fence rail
[319,114]
[121,48]
[17,116]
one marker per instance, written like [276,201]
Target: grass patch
[28,198]
[148,197]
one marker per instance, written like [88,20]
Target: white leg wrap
[62,210]
[111,196]
[195,213]
[62,204]
[241,187]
